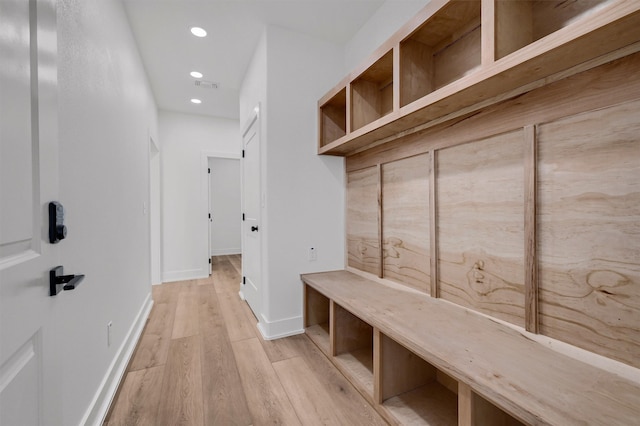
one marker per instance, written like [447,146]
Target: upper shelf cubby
[372,92]
[443,49]
[521,22]
[457,56]
[333,118]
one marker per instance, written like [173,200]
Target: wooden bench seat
[494,365]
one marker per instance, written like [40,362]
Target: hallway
[201,361]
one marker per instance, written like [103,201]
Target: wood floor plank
[236,262]
[153,347]
[228,277]
[312,402]
[238,325]
[268,401]
[186,320]
[224,399]
[138,399]
[181,401]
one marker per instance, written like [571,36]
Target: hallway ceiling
[170,52]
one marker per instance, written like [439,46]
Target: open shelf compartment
[372,92]
[333,118]
[443,49]
[316,317]
[410,389]
[352,347]
[520,23]
[484,413]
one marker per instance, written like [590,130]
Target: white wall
[155,212]
[304,192]
[225,206]
[392,15]
[186,140]
[106,116]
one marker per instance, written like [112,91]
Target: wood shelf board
[380,72]
[358,368]
[615,26]
[519,375]
[431,404]
[447,24]
[319,334]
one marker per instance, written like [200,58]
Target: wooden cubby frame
[352,347]
[372,92]
[520,23]
[474,410]
[474,65]
[409,388]
[316,318]
[443,49]
[333,118]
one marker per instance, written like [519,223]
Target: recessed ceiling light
[196,101]
[198,32]
[196,74]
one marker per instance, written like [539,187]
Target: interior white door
[251,252]
[210,208]
[29,377]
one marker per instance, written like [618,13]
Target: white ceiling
[234,27]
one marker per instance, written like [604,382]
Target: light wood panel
[589,231]
[350,333]
[316,307]
[405,221]
[481,226]
[551,15]
[530,233]
[362,220]
[267,400]
[333,118]
[138,398]
[514,25]
[224,401]
[372,92]
[416,64]
[181,400]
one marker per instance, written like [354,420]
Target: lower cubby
[411,390]
[316,318]
[480,412]
[352,347]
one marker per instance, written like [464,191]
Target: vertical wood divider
[530,252]
[377,367]
[488,30]
[332,328]
[396,77]
[381,251]
[433,224]
[349,107]
[465,405]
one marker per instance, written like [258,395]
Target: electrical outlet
[109,325]
[313,254]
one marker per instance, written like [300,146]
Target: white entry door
[29,375]
[251,252]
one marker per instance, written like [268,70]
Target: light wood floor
[201,361]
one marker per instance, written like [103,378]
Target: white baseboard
[101,402]
[271,330]
[187,274]
[225,251]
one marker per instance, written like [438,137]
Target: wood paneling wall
[363,246]
[589,230]
[532,207]
[405,221]
[481,226]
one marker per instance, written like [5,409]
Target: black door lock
[57,280]
[254,229]
[57,229]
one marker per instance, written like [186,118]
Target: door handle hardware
[58,281]
[254,229]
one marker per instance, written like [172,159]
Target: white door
[29,375]
[210,208]
[251,253]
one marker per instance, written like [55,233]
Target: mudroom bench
[420,360]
